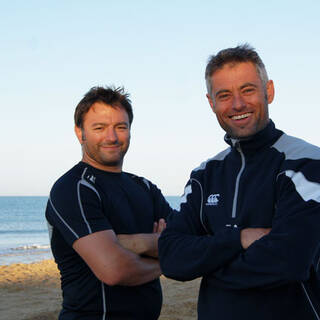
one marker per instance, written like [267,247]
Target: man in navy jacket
[249,218]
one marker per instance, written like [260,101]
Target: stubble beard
[258,126]
[107,160]
[97,156]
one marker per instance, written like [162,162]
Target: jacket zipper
[236,190]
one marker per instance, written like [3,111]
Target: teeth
[242,116]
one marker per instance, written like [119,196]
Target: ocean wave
[32,247]
[23,231]
[7,258]
[29,253]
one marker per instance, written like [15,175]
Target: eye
[223,96]
[248,90]
[122,128]
[97,128]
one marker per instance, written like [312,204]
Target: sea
[24,234]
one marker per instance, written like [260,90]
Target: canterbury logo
[213,199]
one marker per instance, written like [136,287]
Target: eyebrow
[221,91]
[122,123]
[247,84]
[104,124]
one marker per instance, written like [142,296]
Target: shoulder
[69,178]
[294,148]
[206,164]
[147,185]
[140,180]
[300,166]
[78,176]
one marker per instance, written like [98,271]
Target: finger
[267,230]
[155,227]
[162,225]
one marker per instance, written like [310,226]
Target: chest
[240,193]
[128,206]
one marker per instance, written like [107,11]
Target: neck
[110,168]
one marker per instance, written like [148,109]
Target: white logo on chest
[92,178]
[213,199]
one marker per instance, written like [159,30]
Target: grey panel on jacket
[295,148]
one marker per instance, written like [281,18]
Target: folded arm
[113,264]
[249,235]
[186,250]
[255,258]
[288,253]
[143,243]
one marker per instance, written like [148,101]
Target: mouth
[241,116]
[110,146]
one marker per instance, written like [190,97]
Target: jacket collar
[264,138]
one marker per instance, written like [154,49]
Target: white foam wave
[32,247]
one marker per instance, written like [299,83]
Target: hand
[143,243]
[159,226]
[249,235]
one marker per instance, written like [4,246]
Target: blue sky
[53,52]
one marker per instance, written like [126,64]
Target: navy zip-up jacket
[271,181]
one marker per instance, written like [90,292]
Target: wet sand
[32,292]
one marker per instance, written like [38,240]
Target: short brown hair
[115,97]
[241,53]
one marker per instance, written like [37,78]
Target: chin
[111,163]
[246,132]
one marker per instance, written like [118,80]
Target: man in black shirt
[104,223]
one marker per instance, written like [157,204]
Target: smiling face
[240,100]
[105,137]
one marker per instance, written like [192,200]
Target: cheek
[222,108]
[124,137]
[221,112]
[127,135]
[93,139]
[258,100]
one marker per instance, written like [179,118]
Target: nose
[111,135]
[238,102]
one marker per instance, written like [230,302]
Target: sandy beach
[32,292]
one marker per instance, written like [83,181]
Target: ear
[211,102]
[270,91]
[78,132]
